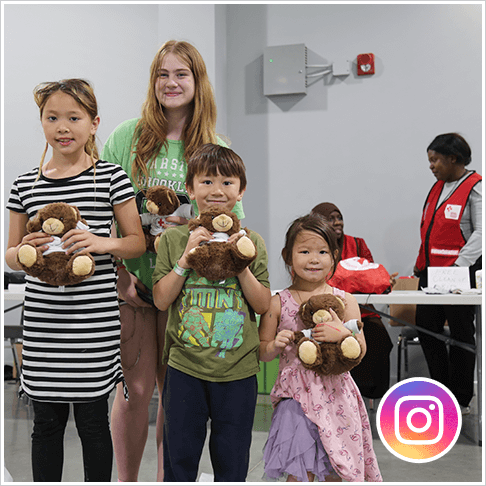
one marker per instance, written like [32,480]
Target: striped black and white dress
[71,342]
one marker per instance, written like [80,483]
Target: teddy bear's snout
[222,223]
[53,226]
[321,316]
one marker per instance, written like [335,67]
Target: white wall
[109,45]
[359,142]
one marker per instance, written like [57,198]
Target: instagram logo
[419,420]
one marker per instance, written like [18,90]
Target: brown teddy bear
[328,358]
[162,201]
[217,259]
[53,266]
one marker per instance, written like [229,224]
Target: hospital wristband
[182,272]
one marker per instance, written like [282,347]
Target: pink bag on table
[357,275]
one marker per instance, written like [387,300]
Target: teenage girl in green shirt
[178,115]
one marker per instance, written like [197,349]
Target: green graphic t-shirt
[168,169]
[212,332]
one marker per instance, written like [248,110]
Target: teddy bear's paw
[27,255]
[82,265]
[351,348]
[308,352]
[246,247]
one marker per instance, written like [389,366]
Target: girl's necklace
[300,297]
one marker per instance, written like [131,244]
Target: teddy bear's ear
[194,223]
[170,198]
[77,215]
[341,301]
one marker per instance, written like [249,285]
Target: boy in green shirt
[212,341]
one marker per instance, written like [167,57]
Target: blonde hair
[151,131]
[83,94]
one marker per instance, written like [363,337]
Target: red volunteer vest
[350,248]
[440,229]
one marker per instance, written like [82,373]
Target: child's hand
[283,339]
[234,238]
[199,235]
[83,241]
[332,331]
[38,239]
[127,289]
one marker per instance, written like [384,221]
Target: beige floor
[463,463]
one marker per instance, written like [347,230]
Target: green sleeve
[162,264]
[171,247]
[259,267]
[117,148]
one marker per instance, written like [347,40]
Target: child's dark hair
[211,159]
[317,224]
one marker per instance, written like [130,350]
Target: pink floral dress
[333,403]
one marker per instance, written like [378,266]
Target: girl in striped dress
[71,351]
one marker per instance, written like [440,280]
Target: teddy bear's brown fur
[327,358]
[56,268]
[161,202]
[219,260]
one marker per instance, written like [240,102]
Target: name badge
[452,211]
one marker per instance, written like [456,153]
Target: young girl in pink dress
[320,425]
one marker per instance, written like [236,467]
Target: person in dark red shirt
[451,234]
[372,375]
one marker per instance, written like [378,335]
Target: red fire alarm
[366,64]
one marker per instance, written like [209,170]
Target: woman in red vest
[451,234]
[372,375]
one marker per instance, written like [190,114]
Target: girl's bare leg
[293,479]
[333,478]
[129,420]
[160,377]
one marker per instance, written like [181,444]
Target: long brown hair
[83,94]
[151,131]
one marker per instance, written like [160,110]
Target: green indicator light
[271,60]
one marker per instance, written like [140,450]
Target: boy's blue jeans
[50,420]
[188,404]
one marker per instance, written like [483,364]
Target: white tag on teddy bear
[352,325]
[56,244]
[307,333]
